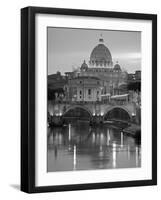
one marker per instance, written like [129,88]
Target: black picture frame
[28,98]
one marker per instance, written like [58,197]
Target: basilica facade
[98,79]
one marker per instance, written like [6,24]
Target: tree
[135,86]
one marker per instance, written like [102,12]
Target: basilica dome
[84,66]
[101,55]
[117,67]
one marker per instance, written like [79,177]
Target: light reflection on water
[81,147]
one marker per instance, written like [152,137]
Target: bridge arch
[118,113]
[77,111]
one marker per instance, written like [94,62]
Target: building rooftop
[86,77]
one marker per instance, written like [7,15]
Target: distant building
[56,81]
[84,89]
[134,77]
[138,75]
[134,81]
[70,75]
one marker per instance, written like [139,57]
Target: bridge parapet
[93,108]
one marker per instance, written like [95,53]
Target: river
[82,147]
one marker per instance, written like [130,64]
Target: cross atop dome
[101,39]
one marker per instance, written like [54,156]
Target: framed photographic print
[88,99]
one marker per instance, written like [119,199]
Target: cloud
[129,55]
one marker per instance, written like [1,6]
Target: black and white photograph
[89,99]
[93,99]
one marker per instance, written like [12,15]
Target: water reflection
[81,147]
[74,157]
[114,155]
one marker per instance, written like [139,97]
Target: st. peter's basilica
[98,80]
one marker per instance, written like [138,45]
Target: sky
[68,48]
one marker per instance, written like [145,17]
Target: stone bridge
[99,109]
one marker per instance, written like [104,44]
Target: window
[80,92]
[89,91]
